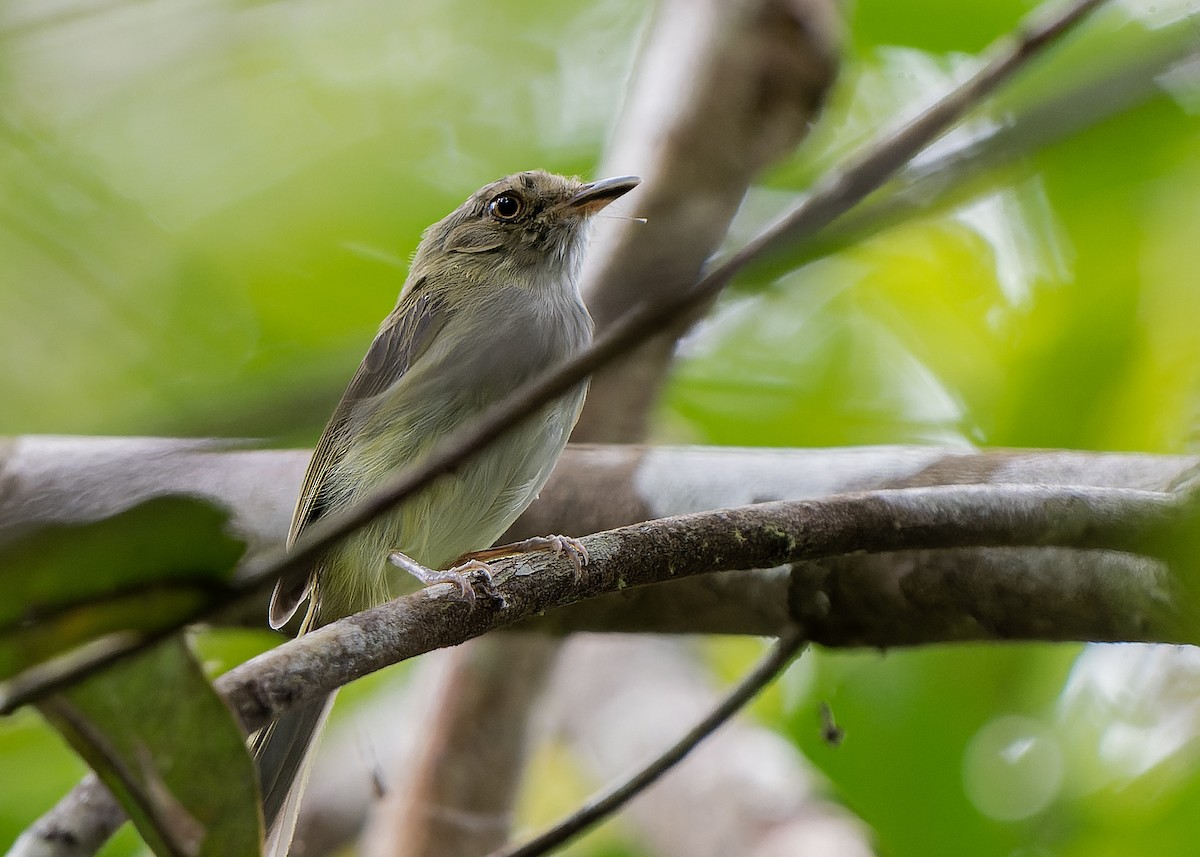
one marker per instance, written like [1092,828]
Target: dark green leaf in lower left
[164,743]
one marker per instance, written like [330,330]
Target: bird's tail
[282,753]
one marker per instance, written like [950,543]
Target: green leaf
[160,738]
[142,571]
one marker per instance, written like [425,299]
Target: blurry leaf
[935,25]
[917,710]
[164,743]
[218,225]
[219,650]
[143,570]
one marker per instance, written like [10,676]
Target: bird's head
[530,222]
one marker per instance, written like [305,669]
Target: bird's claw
[575,550]
[459,577]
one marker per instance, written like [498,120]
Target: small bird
[491,301]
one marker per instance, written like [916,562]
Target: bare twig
[754,790]
[841,189]
[604,805]
[959,173]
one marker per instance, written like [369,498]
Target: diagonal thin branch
[962,172]
[841,189]
[790,642]
[834,195]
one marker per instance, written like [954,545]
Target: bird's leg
[456,576]
[576,553]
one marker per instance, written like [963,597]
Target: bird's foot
[459,576]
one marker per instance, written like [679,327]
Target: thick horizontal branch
[595,487]
[760,536]
[57,480]
[960,595]
[907,598]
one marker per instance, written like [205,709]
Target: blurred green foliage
[207,208]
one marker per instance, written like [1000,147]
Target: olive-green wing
[404,336]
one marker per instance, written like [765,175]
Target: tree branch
[604,805]
[759,794]
[841,189]
[760,536]
[960,173]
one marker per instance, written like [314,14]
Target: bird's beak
[592,197]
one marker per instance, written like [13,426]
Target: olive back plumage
[491,302]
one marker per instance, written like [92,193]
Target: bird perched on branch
[491,302]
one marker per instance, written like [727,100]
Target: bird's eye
[506,206]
